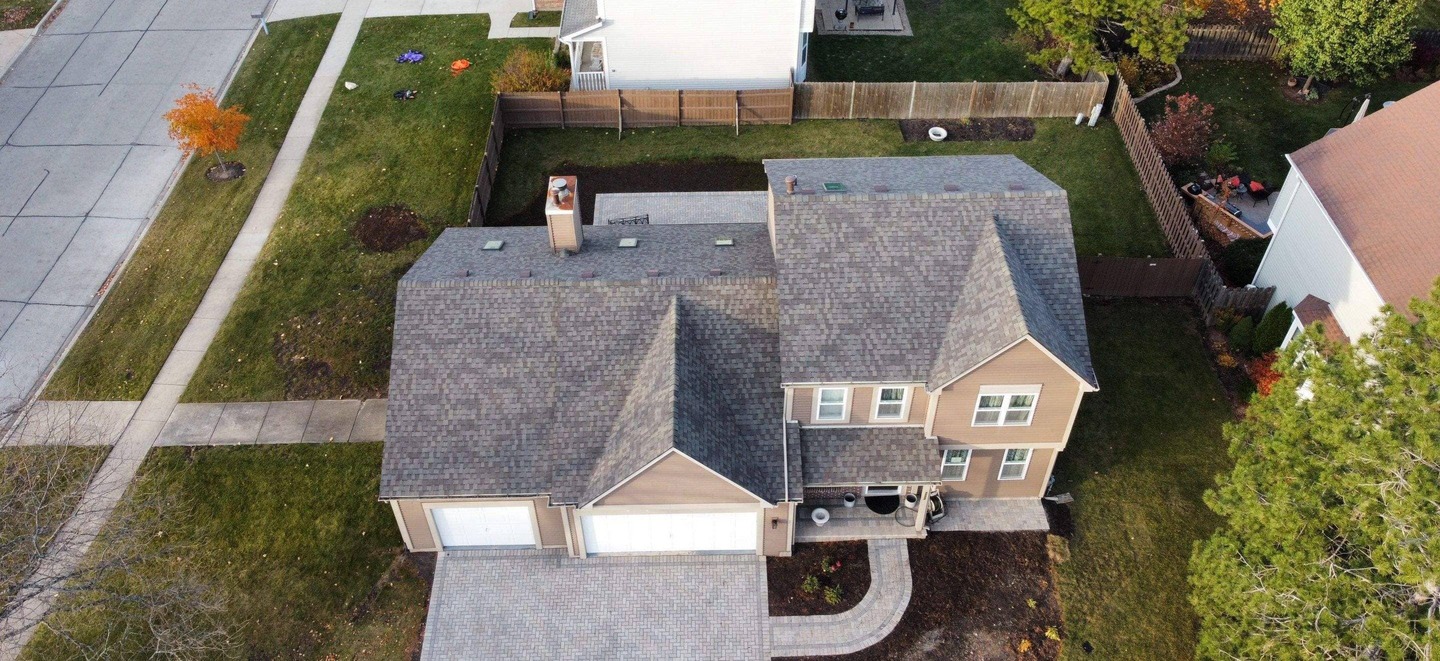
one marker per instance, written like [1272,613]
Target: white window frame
[904,405]
[1009,393]
[1005,462]
[844,405]
[882,490]
[964,466]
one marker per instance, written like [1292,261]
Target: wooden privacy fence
[489,167]
[1229,42]
[947,100]
[1137,276]
[623,109]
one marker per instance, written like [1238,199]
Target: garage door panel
[507,525]
[677,532]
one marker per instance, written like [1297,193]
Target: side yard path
[860,627]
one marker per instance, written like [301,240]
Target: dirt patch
[972,600]
[980,129]
[307,354]
[642,178]
[838,566]
[389,228]
[226,172]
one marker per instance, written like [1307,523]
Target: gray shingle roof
[702,207]
[870,282]
[578,14]
[868,455]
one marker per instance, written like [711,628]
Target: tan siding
[551,521]
[861,400]
[802,404]
[862,405]
[776,540]
[919,405]
[676,480]
[416,526]
[982,480]
[1023,364]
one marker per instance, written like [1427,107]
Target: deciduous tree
[1067,29]
[1182,135]
[1358,40]
[1331,547]
[202,127]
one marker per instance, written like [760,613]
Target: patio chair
[1262,195]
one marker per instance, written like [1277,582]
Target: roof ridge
[519,282]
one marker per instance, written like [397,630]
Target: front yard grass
[955,40]
[1144,450]
[310,561]
[543,19]
[22,14]
[1254,115]
[124,346]
[314,318]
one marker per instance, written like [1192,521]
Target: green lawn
[955,40]
[125,345]
[1428,16]
[40,486]
[293,535]
[1254,115]
[1144,450]
[543,19]
[22,14]
[1108,207]
[314,319]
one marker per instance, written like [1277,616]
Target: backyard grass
[955,40]
[1107,205]
[1254,115]
[543,19]
[123,348]
[1144,450]
[293,536]
[22,14]
[1428,16]
[314,319]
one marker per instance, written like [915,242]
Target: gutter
[785,454]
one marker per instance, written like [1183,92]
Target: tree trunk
[221,160]
[1305,89]
[1064,66]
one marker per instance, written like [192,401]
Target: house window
[891,403]
[1015,464]
[804,47]
[832,404]
[1009,409]
[955,465]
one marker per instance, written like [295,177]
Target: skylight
[629,242]
[494,245]
[834,187]
[724,242]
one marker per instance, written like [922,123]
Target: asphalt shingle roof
[577,15]
[868,455]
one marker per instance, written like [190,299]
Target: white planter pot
[820,516]
[937,134]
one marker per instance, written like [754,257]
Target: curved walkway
[860,627]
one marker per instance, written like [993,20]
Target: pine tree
[1358,40]
[1067,28]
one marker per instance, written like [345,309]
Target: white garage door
[501,525]
[660,533]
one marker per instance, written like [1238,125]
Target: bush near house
[1271,331]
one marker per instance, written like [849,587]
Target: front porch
[858,522]
[587,64]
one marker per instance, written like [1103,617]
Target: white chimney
[562,214]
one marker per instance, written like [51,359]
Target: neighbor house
[1357,224]
[696,45]
[867,344]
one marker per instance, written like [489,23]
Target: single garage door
[488,526]
[662,533]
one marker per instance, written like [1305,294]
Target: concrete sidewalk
[250,423]
[501,12]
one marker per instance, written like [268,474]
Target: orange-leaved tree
[201,126]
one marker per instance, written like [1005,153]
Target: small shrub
[1220,156]
[389,228]
[1262,372]
[1052,633]
[828,567]
[528,71]
[1271,331]
[833,595]
[1225,319]
[561,58]
[1242,336]
[1024,646]
[810,585]
[1031,603]
[1183,133]
[1226,360]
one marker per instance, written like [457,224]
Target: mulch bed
[979,129]
[969,600]
[642,178]
[786,575]
[389,228]
[233,170]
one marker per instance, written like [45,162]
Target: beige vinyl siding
[412,514]
[776,541]
[676,480]
[802,404]
[550,520]
[919,406]
[862,405]
[983,478]
[1022,365]
[861,399]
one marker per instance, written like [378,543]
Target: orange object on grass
[459,65]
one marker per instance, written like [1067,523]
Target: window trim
[1024,465]
[904,404]
[844,406]
[965,467]
[1007,392]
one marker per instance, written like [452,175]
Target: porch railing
[588,81]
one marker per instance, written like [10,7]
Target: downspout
[785,457]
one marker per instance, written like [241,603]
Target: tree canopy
[1067,29]
[1358,40]
[201,126]
[1332,542]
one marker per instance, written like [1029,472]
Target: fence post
[619,116]
[852,101]
[914,85]
[562,109]
[970,107]
[679,107]
[1030,106]
[737,113]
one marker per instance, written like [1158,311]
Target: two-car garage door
[671,532]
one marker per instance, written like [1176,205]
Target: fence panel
[1170,210]
[1135,276]
[946,100]
[599,109]
[767,106]
[529,109]
[489,167]
[1229,42]
[882,100]
[823,100]
[646,108]
[1212,294]
[943,100]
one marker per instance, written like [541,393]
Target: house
[1357,223]
[894,334]
[696,45]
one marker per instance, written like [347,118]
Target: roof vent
[629,242]
[587,274]
[717,272]
[952,188]
[654,273]
[1017,186]
[724,241]
[463,273]
[493,245]
[882,188]
[834,187]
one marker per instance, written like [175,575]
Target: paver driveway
[520,605]
[84,155]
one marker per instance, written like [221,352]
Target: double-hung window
[1006,406]
[955,465]
[1016,462]
[891,403]
[832,404]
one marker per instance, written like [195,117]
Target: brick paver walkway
[529,605]
[862,626]
[994,515]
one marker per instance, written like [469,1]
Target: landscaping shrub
[1271,331]
[1242,335]
[1183,133]
[528,71]
[389,228]
[1241,260]
[1262,372]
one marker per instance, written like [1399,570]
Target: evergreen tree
[1332,542]
[1359,40]
[1066,29]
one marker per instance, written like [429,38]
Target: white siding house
[698,44]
